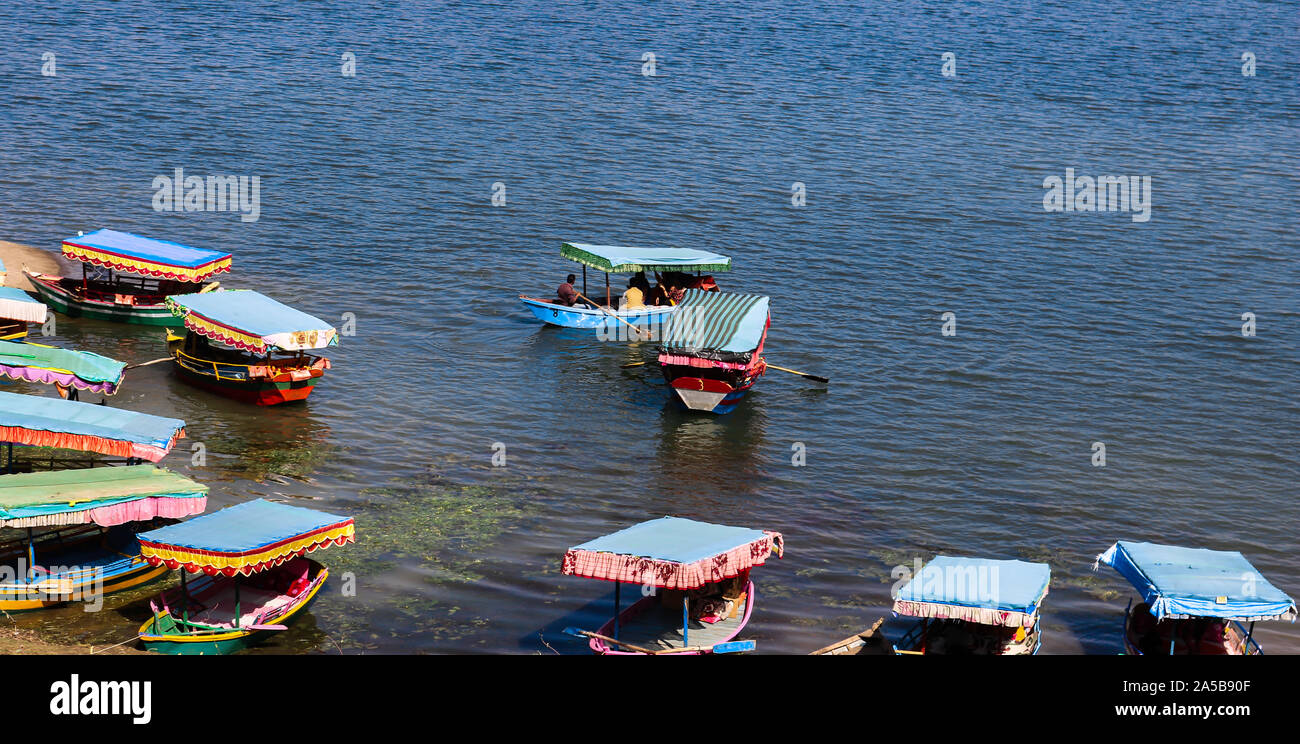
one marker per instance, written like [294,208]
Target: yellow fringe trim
[148,268]
[239,563]
[222,333]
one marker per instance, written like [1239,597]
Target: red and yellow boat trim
[250,562]
[117,262]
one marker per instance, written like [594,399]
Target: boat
[1194,601]
[975,606]
[255,579]
[70,371]
[72,425]
[245,345]
[78,530]
[692,577]
[711,353]
[132,275]
[17,309]
[609,318]
[869,641]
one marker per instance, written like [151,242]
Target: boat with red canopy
[712,350]
[65,424]
[17,310]
[694,580]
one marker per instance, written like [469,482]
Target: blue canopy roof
[716,325]
[674,539]
[256,320]
[148,249]
[244,528]
[1181,583]
[625,260]
[16,304]
[83,424]
[1012,586]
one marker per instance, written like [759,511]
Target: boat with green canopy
[78,528]
[247,346]
[676,265]
[32,421]
[17,309]
[1194,601]
[254,579]
[125,277]
[66,369]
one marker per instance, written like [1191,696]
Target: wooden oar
[818,378]
[721,648]
[146,364]
[634,364]
[610,314]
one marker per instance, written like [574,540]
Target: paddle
[610,314]
[721,648]
[146,364]
[818,378]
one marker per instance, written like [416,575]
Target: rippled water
[924,196]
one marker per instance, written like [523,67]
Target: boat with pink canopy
[693,578]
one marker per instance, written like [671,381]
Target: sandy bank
[15,255]
[20,641]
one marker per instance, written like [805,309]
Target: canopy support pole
[1245,651]
[584,278]
[618,604]
[185,598]
[31,552]
[1173,636]
[686,617]
[237,602]
[607,290]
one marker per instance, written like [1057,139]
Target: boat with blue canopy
[78,530]
[693,580]
[1194,600]
[65,424]
[254,579]
[712,349]
[977,606]
[125,277]
[247,346]
[675,264]
[17,310]
[68,370]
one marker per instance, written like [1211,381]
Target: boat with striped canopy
[78,531]
[17,310]
[973,606]
[609,318]
[125,277]
[697,574]
[247,346]
[66,424]
[66,369]
[1194,601]
[712,349]
[254,579]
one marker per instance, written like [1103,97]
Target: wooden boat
[255,579]
[17,310]
[609,318]
[712,347]
[973,606]
[245,345]
[867,642]
[50,422]
[698,572]
[1194,601]
[78,528]
[125,278]
[69,370]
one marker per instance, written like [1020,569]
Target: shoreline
[15,640]
[16,255]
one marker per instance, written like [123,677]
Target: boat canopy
[977,590]
[16,304]
[244,539]
[626,260]
[83,370]
[104,496]
[252,321]
[1182,583]
[139,255]
[673,553]
[715,327]
[69,424]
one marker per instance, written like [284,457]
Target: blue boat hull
[582,316]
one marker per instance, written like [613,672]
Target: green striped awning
[624,260]
[722,326]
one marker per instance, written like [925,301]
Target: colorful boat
[973,606]
[868,642]
[67,424]
[80,531]
[610,259]
[693,579]
[66,369]
[133,277]
[17,309]
[1194,601]
[711,354]
[259,354]
[255,579]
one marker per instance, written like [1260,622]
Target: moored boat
[609,317]
[693,578]
[17,310]
[255,579]
[711,354]
[33,421]
[77,531]
[973,606]
[1194,601]
[125,278]
[68,370]
[859,644]
[245,345]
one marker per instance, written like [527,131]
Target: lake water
[924,195]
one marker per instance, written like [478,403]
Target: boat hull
[648,604]
[1236,641]
[232,380]
[19,598]
[87,562]
[712,390]
[582,316]
[61,295]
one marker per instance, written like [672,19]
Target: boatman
[568,295]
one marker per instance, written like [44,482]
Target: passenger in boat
[633,298]
[568,296]
[640,282]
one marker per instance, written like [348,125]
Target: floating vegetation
[261,461]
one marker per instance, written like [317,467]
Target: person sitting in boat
[641,283]
[633,298]
[568,296]
[659,295]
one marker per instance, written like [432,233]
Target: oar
[818,378]
[610,314]
[634,364]
[146,364]
[721,648]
